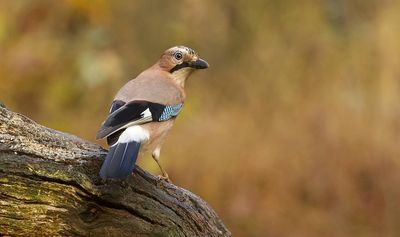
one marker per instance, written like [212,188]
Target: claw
[165,178]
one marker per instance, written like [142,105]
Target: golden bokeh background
[294,130]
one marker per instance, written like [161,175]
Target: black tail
[120,160]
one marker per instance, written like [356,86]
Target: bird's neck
[181,75]
[178,77]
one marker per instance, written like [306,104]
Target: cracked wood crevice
[49,186]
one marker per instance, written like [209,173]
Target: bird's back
[152,86]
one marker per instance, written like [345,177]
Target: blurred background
[294,130]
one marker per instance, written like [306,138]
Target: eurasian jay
[144,110]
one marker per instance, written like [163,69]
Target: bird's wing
[123,115]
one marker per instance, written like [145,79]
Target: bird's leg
[156,156]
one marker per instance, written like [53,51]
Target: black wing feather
[116,104]
[113,138]
[122,114]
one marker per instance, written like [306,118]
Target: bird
[144,110]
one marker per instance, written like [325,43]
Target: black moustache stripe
[179,66]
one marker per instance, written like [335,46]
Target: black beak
[199,64]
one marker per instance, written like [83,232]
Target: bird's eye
[178,55]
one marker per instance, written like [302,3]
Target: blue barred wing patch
[170,111]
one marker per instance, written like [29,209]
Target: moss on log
[49,186]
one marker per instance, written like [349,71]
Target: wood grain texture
[49,186]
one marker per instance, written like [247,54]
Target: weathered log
[49,186]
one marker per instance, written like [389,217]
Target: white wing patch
[146,113]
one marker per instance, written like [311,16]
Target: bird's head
[180,62]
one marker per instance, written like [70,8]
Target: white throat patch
[181,75]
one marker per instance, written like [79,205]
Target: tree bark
[49,186]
